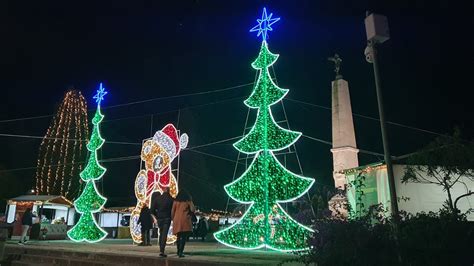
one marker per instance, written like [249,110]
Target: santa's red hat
[168,139]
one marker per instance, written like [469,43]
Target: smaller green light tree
[90,201]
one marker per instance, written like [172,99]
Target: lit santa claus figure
[157,154]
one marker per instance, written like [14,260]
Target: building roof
[48,199]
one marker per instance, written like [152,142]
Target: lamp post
[376,27]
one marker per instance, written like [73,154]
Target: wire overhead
[141,101]
[222,90]
[368,117]
[64,140]
[179,96]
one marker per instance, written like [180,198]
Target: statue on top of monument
[337,64]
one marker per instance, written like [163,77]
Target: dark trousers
[164,226]
[181,241]
[146,239]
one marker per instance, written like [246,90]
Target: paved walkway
[196,252]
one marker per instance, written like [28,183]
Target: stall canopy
[43,199]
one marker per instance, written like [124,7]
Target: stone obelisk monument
[344,149]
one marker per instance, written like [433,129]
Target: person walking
[26,223]
[202,228]
[146,222]
[183,210]
[161,207]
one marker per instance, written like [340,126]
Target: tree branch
[462,196]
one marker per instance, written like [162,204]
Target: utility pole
[376,27]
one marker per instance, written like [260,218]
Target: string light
[266,134]
[122,210]
[90,201]
[65,144]
[265,94]
[158,153]
[266,183]
[72,175]
[56,173]
[365,169]
[93,170]
[265,84]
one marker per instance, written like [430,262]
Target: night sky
[144,50]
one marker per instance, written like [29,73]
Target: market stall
[116,221]
[52,215]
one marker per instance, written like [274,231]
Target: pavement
[124,252]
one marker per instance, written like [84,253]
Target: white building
[412,197]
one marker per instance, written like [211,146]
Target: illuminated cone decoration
[60,160]
[266,183]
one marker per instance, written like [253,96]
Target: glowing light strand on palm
[266,182]
[58,158]
[91,201]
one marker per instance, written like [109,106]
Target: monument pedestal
[344,149]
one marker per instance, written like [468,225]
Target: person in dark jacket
[26,223]
[161,205]
[146,222]
[202,228]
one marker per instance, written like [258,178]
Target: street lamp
[376,27]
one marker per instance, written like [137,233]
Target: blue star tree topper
[101,92]
[264,24]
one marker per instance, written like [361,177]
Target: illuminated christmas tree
[266,183]
[90,201]
[63,149]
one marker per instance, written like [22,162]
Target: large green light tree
[91,201]
[266,183]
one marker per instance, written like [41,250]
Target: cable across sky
[217,91]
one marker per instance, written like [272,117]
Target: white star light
[264,24]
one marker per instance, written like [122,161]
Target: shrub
[431,238]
